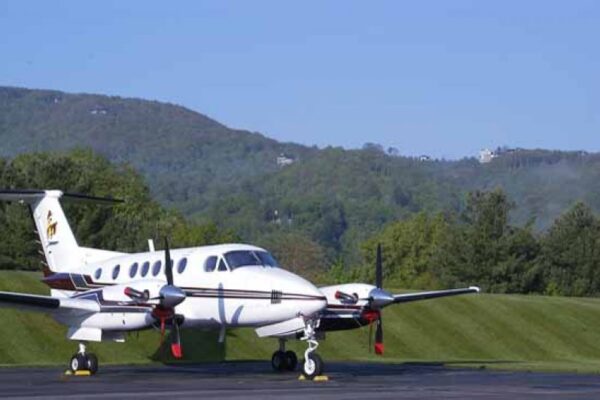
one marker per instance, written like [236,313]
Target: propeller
[378,299]
[168,264]
[379,268]
[169,296]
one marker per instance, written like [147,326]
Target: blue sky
[443,78]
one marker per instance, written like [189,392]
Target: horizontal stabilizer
[284,328]
[32,195]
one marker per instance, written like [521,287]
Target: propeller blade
[370,336]
[379,337]
[176,344]
[168,264]
[162,330]
[379,268]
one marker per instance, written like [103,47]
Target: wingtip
[475,288]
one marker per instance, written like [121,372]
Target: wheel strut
[313,364]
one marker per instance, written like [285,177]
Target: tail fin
[60,247]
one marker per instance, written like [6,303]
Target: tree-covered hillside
[122,227]
[182,153]
[325,203]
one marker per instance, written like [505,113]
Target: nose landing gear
[83,361]
[312,365]
[284,360]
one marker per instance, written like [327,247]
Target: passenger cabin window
[246,258]
[181,265]
[145,268]
[116,271]
[210,264]
[222,265]
[156,268]
[98,273]
[133,270]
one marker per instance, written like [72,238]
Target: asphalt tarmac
[243,380]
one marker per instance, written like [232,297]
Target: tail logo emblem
[50,225]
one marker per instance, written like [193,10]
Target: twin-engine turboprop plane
[100,295]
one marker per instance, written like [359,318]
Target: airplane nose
[299,295]
[315,300]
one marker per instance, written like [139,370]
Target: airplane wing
[406,297]
[34,302]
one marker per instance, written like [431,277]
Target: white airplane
[100,295]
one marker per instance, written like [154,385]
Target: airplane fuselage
[217,292]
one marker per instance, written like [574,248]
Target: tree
[298,253]
[408,247]
[124,227]
[570,254]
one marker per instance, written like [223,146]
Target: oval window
[98,273]
[210,264]
[116,271]
[156,268]
[181,265]
[145,268]
[133,269]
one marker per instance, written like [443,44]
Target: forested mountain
[325,203]
[182,153]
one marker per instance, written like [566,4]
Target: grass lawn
[491,331]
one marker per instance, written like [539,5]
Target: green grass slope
[506,331]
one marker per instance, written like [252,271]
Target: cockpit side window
[222,265]
[267,259]
[240,258]
[210,264]
[245,258]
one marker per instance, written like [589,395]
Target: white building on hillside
[284,160]
[486,155]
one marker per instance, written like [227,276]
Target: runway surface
[242,380]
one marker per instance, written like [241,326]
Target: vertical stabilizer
[59,244]
[57,240]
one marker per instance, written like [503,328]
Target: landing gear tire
[92,363]
[312,366]
[291,360]
[78,362]
[279,361]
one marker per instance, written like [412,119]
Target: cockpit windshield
[246,258]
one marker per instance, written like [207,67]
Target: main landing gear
[284,360]
[82,361]
[312,365]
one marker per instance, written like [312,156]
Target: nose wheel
[312,365]
[83,361]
